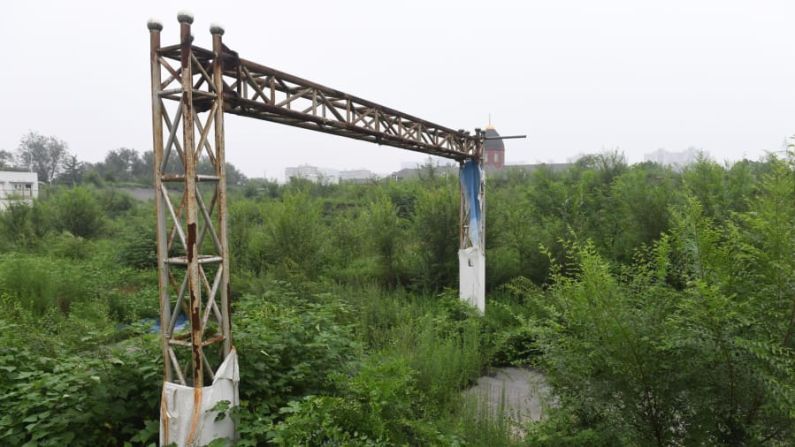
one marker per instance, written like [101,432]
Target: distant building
[328,176]
[411,173]
[18,187]
[677,160]
[311,173]
[356,175]
[493,150]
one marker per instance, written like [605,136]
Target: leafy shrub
[116,202]
[23,225]
[288,351]
[443,347]
[129,305]
[66,245]
[16,224]
[41,284]
[386,236]
[296,236]
[138,246]
[436,232]
[78,211]
[379,406]
[665,366]
[99,398]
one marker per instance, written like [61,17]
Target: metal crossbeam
[257,91]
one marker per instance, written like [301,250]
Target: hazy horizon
[575,76]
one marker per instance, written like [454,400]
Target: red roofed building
[493,150]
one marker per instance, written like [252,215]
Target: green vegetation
[659,304]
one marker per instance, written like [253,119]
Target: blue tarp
[470,184]
[181,323]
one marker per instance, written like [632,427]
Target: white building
[327,176]
[311,173]
[357,175]
[18,186]
[676,160]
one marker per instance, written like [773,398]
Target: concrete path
[523,394]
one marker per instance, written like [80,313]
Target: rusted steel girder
[257,91]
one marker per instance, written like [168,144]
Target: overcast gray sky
[575,76]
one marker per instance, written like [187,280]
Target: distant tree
[428,172]
[146,171]
[43,154]
[73,170]
[607,163]
[122,164]
[6,159]
[233,175]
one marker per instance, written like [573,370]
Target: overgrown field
[660,305]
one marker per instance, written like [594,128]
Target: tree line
[50,158]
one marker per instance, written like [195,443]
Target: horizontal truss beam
[256,91]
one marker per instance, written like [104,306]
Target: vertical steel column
[191,206]
[220,171]
[162,234]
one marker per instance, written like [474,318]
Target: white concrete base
[472,277]
[187,417]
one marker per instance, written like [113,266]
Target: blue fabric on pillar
[470,174]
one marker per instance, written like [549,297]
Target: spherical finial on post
[154,25]
[185,17]
[216,28]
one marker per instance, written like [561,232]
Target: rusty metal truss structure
[192,88]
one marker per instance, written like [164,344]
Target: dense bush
[79,212]
[41,284]
[692,344]
[435,223]
[289,343]
[137,245]
[385,233]
[22,225]
[100,397]
[658,302]
[379,406]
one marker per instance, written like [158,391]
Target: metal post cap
[185,17]
[154,25]
[216,28]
